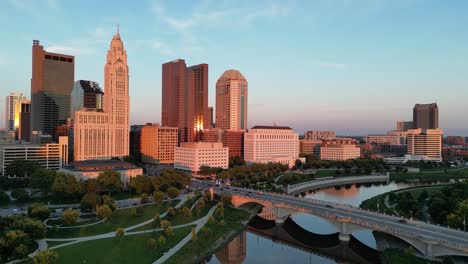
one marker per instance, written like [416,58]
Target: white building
[339,152]
[425,142]
[264,144]
[190,156]
[50,156]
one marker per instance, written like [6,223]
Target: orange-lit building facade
[52,80]
[232,139]
[185,99]
[425,142]
[190,156]
[339,151]
[231,101]
[157,144]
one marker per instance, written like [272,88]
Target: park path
[390,206]
[199,224]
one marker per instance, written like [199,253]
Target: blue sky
[354,66]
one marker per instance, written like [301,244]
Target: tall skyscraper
[185,98]
[86,94]
[51,85]
[11,110]
[231,101]
[426,116]
[105,134]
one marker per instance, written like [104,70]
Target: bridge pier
[344,235]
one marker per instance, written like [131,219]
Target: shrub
[119,232]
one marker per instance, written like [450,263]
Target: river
[254,246]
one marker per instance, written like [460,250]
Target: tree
[158,197]
[12,245]
[226,199]
[172,192]
[21,168]
[205,171]
[151,243]
[110,180]
[161,241]
[90,201]
[171,211]
[194,234]
[144,198]
[38,211]
[168,231]
[46,257]
[42,179]
[186,212]
[20,195]
[92,186]
[65,185]
[141,184]
[4,198]
[164,224]
[298,164]
[34,228]
[109,202]
[199,207]
[70,216]
[119,232]
[103,212]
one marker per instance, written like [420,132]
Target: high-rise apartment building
[231,101]
[86,94]
[11,110]
[425,142]
[185,99]
[51,85]
[157,144]
[264,144]
[105,134]
[319,135]
[404,125]
[426,116]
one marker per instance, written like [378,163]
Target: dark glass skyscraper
[426,116]
[51,85]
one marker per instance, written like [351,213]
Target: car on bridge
[403,221]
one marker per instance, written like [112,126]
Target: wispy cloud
[69,49]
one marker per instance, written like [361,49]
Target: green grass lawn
[324,173]
[127,249]
[120,218]
[207,240]
[191,202]
[295,178]
[451,173]
[84,222]
[179,219]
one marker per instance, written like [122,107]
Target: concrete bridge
[334,181]
[430,240]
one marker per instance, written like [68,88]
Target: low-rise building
[265,144]
[385,139]
[319,135]
[339,152]
[50,156]
[310,147]
[190,156]
[90,169]
[157,144]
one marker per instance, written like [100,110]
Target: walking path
[199,224]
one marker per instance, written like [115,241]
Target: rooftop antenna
[118,33]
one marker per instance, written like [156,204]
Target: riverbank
[214,235]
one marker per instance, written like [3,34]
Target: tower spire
[118,33]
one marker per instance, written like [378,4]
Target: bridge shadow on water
[291,234]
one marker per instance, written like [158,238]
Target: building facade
[190,156]
[51,85]
[425,142]
[426,116]
[90,169]
[50,156]
[86,94]
[264,144]
[105,134]
[158,143]
[404,125]
[23,120]
[11,110]
[185,99]
[231,101]
[385,139]
[7,138]
[339,152]
[310,147]
[135,142]
[319,135]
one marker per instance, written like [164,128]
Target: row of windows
[58,58]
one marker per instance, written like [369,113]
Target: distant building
[11,110]
[135,142]
[90,169]
[231,101]
[232,139]
[185,99]
[51,85]
[426,116]
[385,139]
[425,142]
[264,144]
[190,156]
[404,125]
[7,138]
[454,140]
[209,122]
[319,135]
[23,110]
[158,143]
[50,156]
[311,147]
[86,94]
[335,151]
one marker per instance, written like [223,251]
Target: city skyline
[369,87]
